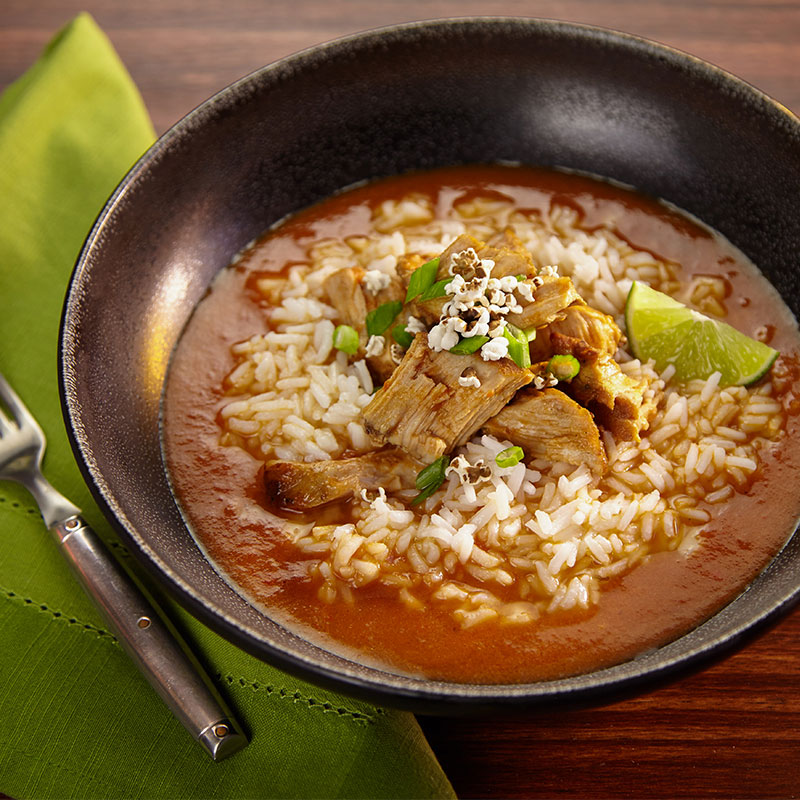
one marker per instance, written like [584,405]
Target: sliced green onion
[509,457]
[402,336]
[521,277]
[435,290]
[564,368]
[430,479]
[345,338]
[467,346]
[518,350]
[380,318]
[422,278]
[530,333]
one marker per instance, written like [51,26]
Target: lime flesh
[669,332]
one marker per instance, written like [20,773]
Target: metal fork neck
[54,506]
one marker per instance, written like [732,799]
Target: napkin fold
[78,718]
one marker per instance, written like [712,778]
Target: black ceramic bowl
[375,104]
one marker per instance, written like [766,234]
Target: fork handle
[153,644]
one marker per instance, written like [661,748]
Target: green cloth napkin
[77,718]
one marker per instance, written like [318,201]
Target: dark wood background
[730,731]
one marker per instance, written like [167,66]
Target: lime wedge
[665,330]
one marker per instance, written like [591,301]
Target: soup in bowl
[473,477]
[421,440]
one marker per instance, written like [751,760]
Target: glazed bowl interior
[381,103]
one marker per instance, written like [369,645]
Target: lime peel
[670,333]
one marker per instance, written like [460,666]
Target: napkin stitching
[60,616]
[325,706]
[16,506]
[296,697]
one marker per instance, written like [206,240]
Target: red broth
[220,490]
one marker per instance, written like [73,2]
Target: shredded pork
[424,408]
[548,424]
[433,401]
[297,486]
[354,293]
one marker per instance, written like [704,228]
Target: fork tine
[5,424]
[18,410]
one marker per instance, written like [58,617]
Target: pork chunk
[581,322]
[509,255]
[548,424]
[300,486]
[348,294]
[551,298]
[616,399]
[426,411]
[347,297]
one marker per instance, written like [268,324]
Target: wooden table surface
[731,731]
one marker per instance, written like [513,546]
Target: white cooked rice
[532,538]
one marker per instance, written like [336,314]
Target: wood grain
[732,730]
[181,51]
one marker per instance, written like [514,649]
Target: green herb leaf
[422,278]
[469,345]
[435,290]
[379,319]
[402,336]
[509,457]
[518,350]
[345,338]
[430,479]
[563,367]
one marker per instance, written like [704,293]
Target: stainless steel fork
[140,627]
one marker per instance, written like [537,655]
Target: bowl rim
[387,687]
